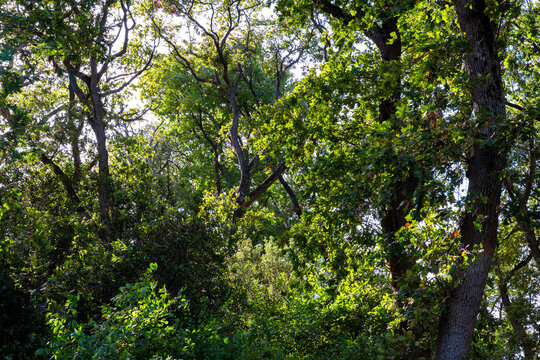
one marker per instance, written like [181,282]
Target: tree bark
[97,123]
[94,100]
[480,222]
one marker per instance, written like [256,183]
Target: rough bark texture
[479,226]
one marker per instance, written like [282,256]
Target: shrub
[138,325]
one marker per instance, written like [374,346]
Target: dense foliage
[321,179]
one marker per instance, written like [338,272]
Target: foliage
[268,180]
[138,324]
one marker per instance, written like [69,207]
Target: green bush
[138,325]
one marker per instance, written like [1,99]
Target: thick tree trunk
[479,226]
[457,325]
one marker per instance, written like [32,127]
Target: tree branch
[259,190]
[68,186]
[296,205]
[519,330]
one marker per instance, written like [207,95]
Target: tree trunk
[98,126]
[96,120]
[97,123]
[243,165]
[393,216]
[479,226]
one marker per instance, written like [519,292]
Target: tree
[85,44]
[224,58]
[485,165]
[404,137]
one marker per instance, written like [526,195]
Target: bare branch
[123,50]
[183,61]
